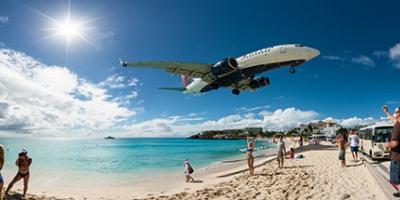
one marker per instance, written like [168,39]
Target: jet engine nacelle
[259,82]
[224,66]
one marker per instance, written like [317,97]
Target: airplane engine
[224,66]
[259,82]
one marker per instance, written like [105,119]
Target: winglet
[123,64]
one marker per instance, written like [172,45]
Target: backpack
[190,169]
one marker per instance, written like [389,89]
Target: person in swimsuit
[1,167]
[341,142]
[23,162]
[251,143]
[290,154]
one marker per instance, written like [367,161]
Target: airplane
[236,73]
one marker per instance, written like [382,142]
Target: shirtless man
[23,162]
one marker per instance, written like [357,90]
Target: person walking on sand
[354,144]
[394,149]
[281,151]
[188,171]
[301,142]
[341,141]
[251,143]
[23,162]
[2,158]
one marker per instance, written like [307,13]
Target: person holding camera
[23,162]
[2,158]
[394,149]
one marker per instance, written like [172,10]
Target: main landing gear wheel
[214,86]
[292,70]
[235,91]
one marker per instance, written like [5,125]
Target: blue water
[122,156]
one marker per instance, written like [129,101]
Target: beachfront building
[327,127]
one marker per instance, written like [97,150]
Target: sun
[69,29]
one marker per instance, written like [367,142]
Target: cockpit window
[298,45]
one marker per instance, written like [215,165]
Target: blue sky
[354,75]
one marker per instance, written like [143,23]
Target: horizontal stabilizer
[180,89]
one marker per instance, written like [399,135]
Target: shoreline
[317,176]
[165,184]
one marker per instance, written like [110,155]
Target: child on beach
[23,162]
[341,141]
[251,143]
[2,158]
[188,171]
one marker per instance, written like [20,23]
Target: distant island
[109,138]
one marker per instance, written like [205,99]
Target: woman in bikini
[23,162]
[2,158]
[251,143]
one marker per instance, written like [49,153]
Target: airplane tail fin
[179,89]
[186,80]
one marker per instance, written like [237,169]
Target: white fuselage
[266,56]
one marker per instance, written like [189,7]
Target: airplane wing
[185,68]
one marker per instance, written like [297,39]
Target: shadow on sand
[15,197]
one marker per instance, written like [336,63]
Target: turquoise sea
[133,156]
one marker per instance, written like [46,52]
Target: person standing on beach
[251,143]
[354,144]
[394,149]
[341,141]
[301,141]
[23,162]
[281,151]
[2,158]
[188,171]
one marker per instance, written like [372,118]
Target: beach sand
[317,176]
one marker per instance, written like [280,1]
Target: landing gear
[214,86]
[292,70]
[235,91]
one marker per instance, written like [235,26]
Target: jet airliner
[239,74]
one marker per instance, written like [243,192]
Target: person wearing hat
[394,149]
[23,162]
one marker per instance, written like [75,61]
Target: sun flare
[69,30]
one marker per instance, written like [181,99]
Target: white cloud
[4,19]
[330,57]
[116,81]
[363,60]
[394,55]
[252,109]
[44,99]
[356,121]
[280,119]
[380,53]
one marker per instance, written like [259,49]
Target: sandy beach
[317,176]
